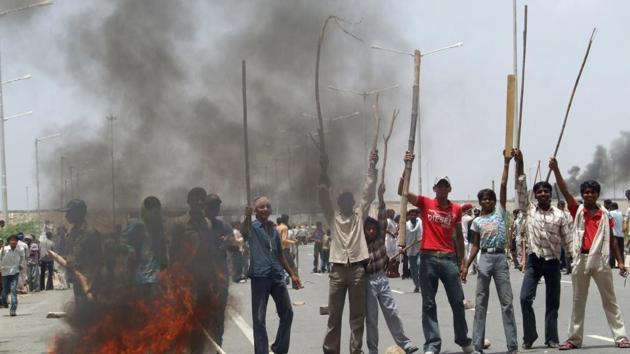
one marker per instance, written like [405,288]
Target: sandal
[569,346]
[624,343]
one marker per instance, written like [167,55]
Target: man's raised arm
[504,179]
[521,182]
[324,189]
[562,185]
[411,197]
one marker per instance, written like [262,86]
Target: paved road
[30,331]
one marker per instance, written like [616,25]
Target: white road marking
[397,291]
[605,339]
[241,324]
[566,281]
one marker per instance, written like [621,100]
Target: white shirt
[466,219]
[414,235]
[11,260]
[618,217]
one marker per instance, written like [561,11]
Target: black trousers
[46,266]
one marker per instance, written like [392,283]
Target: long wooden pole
[520,106]
[509,114]
[245,137]
[402,232]
[577,81]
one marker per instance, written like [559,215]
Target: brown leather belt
[437,253]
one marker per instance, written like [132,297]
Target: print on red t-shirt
[591,224]
[438,224]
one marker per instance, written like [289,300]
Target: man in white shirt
[414,235]
[12,259]
[617,230]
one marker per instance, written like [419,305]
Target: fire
[168,322]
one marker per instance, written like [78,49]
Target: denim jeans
[414,268]
[494,266]
[537,268]
[9,284]
[442,269]
[46,266]
[325,256]
[262,288]
[378,293]
[317,248]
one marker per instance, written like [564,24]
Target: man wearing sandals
[592,244]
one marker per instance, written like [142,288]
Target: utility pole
[111,120]
[3,162]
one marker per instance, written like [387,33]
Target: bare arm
[324,190]
[521,182]
[474,249]
[615,252]
[562,185]
[459,244]
[411,197]
[504,180]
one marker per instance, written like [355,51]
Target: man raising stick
[593,243]
[349,255]
[440,260]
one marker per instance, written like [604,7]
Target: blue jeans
[378,293]
[9,283]
[537,268]
[262,288]
[494,266]
[442,269]
[414,268]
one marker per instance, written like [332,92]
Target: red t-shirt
[438,224]
[591,223]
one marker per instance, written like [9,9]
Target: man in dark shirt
[267,266]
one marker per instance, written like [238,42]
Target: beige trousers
[604,281]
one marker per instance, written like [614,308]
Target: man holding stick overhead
[348,255]
[593,243]
[545,228]
[441,260]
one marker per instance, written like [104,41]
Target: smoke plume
[610,167]
[170,71]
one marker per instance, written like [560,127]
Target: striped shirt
[545,231]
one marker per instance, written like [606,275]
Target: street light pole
[111,120]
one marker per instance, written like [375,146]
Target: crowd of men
[444,242]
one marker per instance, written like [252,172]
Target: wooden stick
[385,142]
[520,106]
[320,120]
[83,280]
[245,137]
[566,115]
[402,232]
[377,122]
[509,114]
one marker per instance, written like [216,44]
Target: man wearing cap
[348,255]
[11,262]
[84,251]
[266,271]
[441,260]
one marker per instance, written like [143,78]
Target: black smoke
[170,71]
[610,167]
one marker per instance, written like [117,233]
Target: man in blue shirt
[266,271]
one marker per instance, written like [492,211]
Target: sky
[462,91]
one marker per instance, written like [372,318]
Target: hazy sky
[462,90]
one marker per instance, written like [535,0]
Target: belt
[493,250]
[584,252]
[437,253]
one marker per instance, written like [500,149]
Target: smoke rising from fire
[171,72]
[610,167]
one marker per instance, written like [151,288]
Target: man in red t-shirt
[441,260]
[593,245]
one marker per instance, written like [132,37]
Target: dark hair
[151,203]
[561,202]
[197,191]
[345,196]
[487,193]
[369,221]
[592,184]
[543,184]
[614,206]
